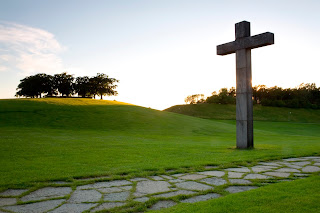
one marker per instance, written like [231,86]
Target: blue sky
[161,51]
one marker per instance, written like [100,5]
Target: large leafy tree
[103,85]
[64,83]
[36,85]
[83,86]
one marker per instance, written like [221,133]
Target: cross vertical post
[244,107]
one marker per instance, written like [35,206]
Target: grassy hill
[260,113]
[58,139]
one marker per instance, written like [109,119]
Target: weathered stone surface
[156,177]
[256,176]
[110,190]
[176,181]
[80,196]
[74,208]
[163,204]
[167,177]
[311,157]
[258,169]
[214,181]
[13,192]
[235,175]
[7,201]
[193,186]
[316,164]
[300,174]
[138,179]
[201,198]
[126,188]
[120,196]
[38,207]
[302,163]
[111,183]
[141,199]
[292,165]
[239,181]
[105,206]
[270,164]
[192,177]
[151,187]
[311,169]
[46,193]
[178,175]
[213,173]
[235,189]
[294,159]
[172,194]
[242,169]
[278,174]
[287,170]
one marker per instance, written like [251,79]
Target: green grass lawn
[56,139]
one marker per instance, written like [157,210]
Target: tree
[82,86]
[36,85]
[64,83]
[193,99]
[103,85]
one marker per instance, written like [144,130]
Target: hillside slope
[59,139]
[260,113]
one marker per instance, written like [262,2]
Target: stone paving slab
[242,169]
[38,207]
[80,196]
[214,181]
[192,177]
[151,187]
[311,169]
[172,194]
[256,176]
[74,208]
[106,206]
[163,204]
[278,174]
[120,196]
[46,193]
[240,181]
[201,198]
[13,192]
[190,185]
[7,201]
[287,170]
[236,189]
[235,175]
[213,173]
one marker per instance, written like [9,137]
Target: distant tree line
[65,85]
[303,96]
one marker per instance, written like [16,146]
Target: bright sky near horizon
[161,51]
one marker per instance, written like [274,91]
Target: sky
[160,50]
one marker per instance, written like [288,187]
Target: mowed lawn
[58,139]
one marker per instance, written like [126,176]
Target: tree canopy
[64,84]
[302,96]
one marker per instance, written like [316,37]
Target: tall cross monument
[242,47]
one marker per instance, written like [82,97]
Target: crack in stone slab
[38,207]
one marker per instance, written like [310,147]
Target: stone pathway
[154,192]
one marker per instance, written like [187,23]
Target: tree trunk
[101,96]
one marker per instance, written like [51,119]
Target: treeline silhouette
[65,85]
[303,96]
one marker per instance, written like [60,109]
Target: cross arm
[252,42]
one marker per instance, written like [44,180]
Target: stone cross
[242,47]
